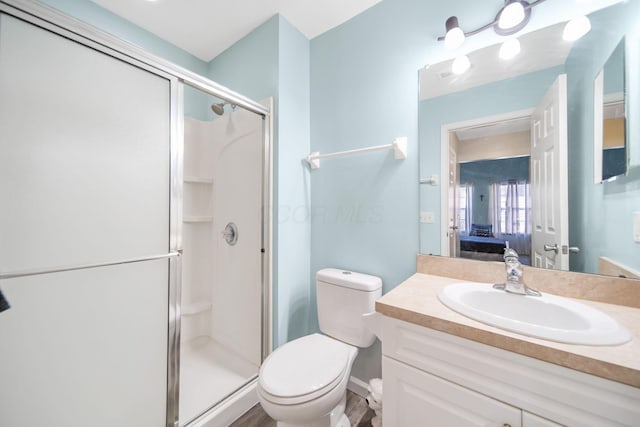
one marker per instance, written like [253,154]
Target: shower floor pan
[208,373]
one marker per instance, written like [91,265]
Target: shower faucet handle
[230,234]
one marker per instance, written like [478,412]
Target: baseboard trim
[358,386]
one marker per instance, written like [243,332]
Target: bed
[481,240]
[482,244]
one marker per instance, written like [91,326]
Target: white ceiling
[205,28]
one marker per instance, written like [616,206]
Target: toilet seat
[304,369]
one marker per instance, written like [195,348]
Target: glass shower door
[84,233]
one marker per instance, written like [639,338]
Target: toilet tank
[343,297]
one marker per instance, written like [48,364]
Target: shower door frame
[74,29]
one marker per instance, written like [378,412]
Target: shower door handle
[38,272]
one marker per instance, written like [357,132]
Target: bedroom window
[465,197]
[511,207]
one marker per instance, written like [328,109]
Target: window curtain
[511,214]
[465,207]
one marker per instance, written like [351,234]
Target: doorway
[488,199]
[548,182]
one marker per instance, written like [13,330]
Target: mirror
[482,123]
[610,154]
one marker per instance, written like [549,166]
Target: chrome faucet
[514,283]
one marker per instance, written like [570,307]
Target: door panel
[86,348]
[84,153]
[549,181]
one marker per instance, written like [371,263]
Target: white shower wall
[237,288]
[221,302]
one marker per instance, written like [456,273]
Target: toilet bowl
[304,382]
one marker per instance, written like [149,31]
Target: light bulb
[460,65]
[576,28]
[509,49]
[511,15]
[455,36]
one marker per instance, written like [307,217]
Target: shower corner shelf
[198,180]
[197,218]
[195,308]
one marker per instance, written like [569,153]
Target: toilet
[304,382]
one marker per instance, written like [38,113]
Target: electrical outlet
[636,227]
[427,218]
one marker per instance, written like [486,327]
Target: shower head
[218,108]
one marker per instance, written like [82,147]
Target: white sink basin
[548,316]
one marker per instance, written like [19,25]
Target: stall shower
[134,233]
[221,302]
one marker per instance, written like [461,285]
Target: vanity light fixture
[576,28]
[509,49]
[460,65]
[513,17]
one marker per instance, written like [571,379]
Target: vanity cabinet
[439,379]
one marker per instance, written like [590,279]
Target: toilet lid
[311,366]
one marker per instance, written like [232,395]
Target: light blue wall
[364,90]
[614,70]
[294,198]
[363,93]
[273,60]
[602,222]
[513,94]
[250,66]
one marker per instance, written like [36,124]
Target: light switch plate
[427,217]
[636,227]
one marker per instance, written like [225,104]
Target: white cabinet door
[530,420]
[416,398]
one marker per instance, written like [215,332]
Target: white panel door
[549,179]
[416,398]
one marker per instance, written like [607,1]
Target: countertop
[415,300]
